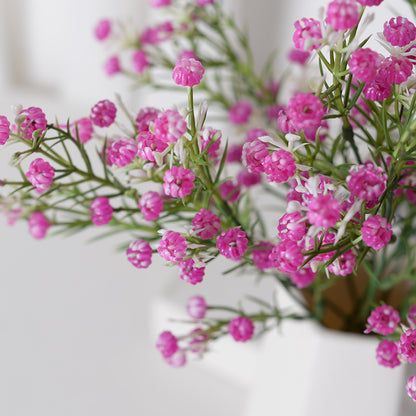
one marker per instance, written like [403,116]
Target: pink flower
[407,345]
[253,155]
[370,2]
[145,117]
[261,255]
[103,113]
[187,55]
[367,182]
[172,247]
[151,205]
[240,112]
[399,31]
[308,34]
[298,56]
[292,226]
[377,90]
[107,149]
[35,120]
[13,216]
[234,153]
[112,66]
[279,166]
[139,61]
[411,387]
[364,64]
[160,3]
[411,316]
[324,210]
[383,320]
[285,123]
[230,191]
[208,134]
[342,14]
[4,129]
[395,69]
[139,254]
[232,243]
[177,360]
[302,277]
[247,178]
[198,342]
[273,112]
[148,145]
[387,354]
[167,344]
[305,110]
[102,30]
[84,128]
[102,211]
[376,232]
[178,182]
[206,224]
[190,272]
[40,175]
[254,134]
[38,225]
[343,265]
[188,72]
[170,126]
[287,256]
[122,151]
[157,34]
[202,3]
[241,329]
[196,307]
[294,195]
[310,132]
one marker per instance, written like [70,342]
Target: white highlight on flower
[197,260]
[159,156]
[290,147]
[364,23]
[395,50]
[202,114]
[16,108]
[355,207]
[293,206]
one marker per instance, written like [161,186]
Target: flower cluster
[310,191]
[400,346]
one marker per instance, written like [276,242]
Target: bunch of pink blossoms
[232,243]
[34,121]
[392,352]
[4,130]
[40,175]
[172,247]
[176,349]
[139,254]
[38,225]
[169,126]
[178,182]
[102,211]
[188,72]
[103,113]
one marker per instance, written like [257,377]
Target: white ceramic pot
[307,370]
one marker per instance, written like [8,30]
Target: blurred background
[77,322]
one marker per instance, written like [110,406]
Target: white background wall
[76,332]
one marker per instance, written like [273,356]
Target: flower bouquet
[335,161]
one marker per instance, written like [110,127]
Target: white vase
[307,370]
